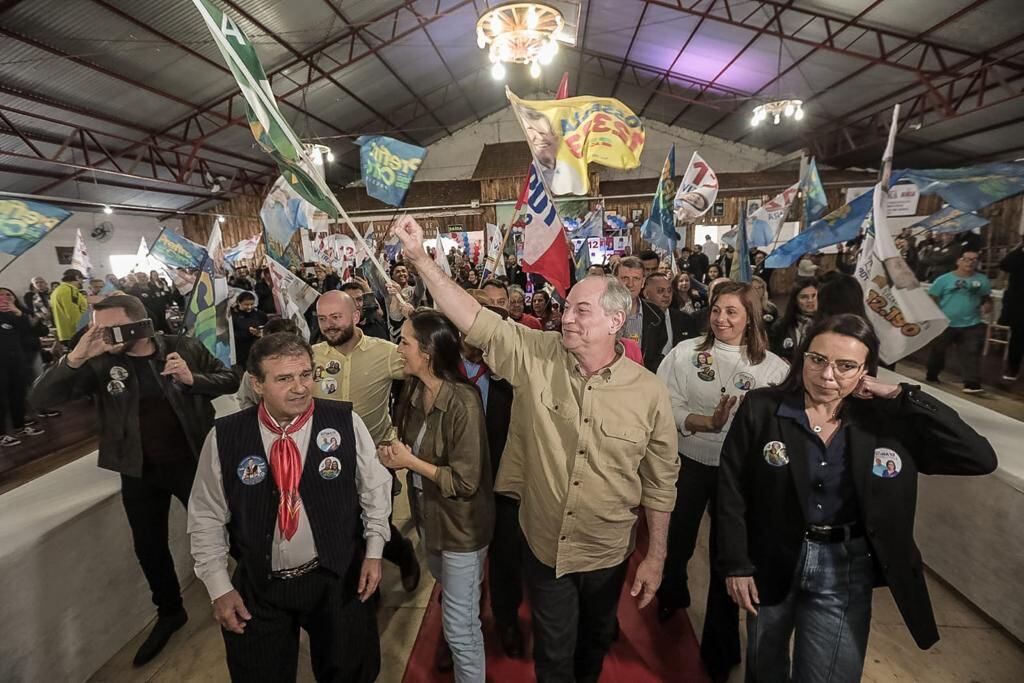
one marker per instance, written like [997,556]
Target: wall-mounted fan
[102,232]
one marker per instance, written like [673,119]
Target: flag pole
[885,173]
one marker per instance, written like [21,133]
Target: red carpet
[646,652]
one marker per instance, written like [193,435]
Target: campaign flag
[175,251]
[951,219]
[392,245]
[972,187]
[904,317]
[388,166]
[581,259]
[80,256]
[765,222]
[563,87]
[23,223]
[741,264]
[545,250]
[841,225]
[439,256]
[284,212]
[207,318]
[815,201]
[292,296]
[589,226]
[660,227]
[565,135]
[697,192]
[243,250]
[494,264]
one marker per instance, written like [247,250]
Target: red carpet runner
[646,652]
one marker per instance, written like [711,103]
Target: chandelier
[777,110]
[519,33]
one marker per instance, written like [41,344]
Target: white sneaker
[7,440]
[1008,378]
[29,431]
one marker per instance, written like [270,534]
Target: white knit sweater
[694,389]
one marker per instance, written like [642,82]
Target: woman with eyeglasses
[706,376]
[816,504]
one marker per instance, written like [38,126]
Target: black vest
[330,503]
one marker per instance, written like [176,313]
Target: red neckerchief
[286,466]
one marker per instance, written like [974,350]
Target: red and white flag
[545,251]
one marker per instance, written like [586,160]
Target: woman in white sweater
[706,378]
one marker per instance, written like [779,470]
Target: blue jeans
[828,608]
[461,576]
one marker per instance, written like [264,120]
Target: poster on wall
[902,200]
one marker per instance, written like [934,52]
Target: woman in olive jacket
[817,491]
[443,443]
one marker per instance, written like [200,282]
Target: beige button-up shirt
[362,377]
[583,453]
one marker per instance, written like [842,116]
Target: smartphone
[121,334]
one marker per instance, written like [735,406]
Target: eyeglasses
[841,368]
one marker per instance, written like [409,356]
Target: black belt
[296,572]
[833,534]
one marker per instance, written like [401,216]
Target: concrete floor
[972,648]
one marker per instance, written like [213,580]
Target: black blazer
[760,507]
[498,416]
[654,335]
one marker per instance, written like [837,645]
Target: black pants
[968,341]
[343,642]
[1015,353]
[398,550]
[14,378]
[505,562]
[573,619]
[147,502]
[696,491]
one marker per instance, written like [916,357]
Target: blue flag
[972,187]
[581,258]
[23,223]
[815,202]
[741,265]
[388,167]
[660,228]
[841,225]
[175,251]
[950,219]
[591,226]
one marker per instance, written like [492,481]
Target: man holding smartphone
[160,386]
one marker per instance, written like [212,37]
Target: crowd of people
[535,435]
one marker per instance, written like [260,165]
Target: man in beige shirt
[592,439]
[352,366]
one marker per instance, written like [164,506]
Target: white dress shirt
[208,513]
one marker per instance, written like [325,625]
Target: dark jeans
[14,380]
[1015,352]
[969,342]
[828,609]
[398,550]
[696,491]
[147,503]
[505,562]
[573,619]
[344,646]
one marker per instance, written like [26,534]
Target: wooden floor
[972,649]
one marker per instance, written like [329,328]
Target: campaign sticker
[115,387]
[329,385]
[330,467]
[887,463]
[705,373]
[702,359]
[318,373]
[328,440]
[333,367]
[118,373]
[787,343]
[252,470]
[775,454]
[7,326]
[743,381]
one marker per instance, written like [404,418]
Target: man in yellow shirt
[351,366]
[68,304]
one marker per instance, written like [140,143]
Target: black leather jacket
[118,413]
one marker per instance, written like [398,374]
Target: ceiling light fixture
[776,111]
[107,210]
[519,33]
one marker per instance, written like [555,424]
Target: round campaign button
[328,440]
[115,387]
[330,467]
[252,470]
[775,454]
[118,373]
[333,367]
[743,381]
[886,464]
[7,326]
[329,385]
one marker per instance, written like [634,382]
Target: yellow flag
[565,135]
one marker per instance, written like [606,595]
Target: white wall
[42,258]
[455,157]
